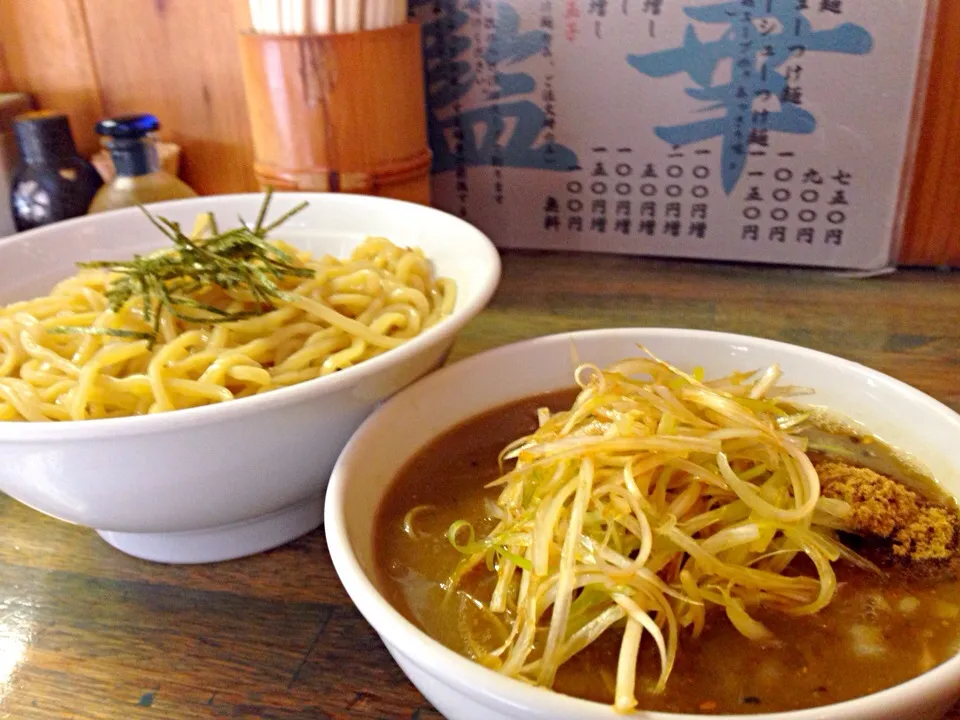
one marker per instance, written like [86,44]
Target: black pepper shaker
[52,182]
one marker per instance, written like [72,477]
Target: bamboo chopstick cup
[341,111]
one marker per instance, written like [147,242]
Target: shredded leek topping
[655,497]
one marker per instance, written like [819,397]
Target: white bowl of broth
[884,648]
[255,411]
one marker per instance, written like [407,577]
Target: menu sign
[758,130]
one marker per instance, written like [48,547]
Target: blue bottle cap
[128,127]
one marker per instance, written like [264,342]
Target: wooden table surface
[86,632]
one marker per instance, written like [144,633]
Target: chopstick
[400,12]
[294,17]
[322,18]
[300,17]
[347,15]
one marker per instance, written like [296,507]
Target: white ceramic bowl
[463,690]
[227,480]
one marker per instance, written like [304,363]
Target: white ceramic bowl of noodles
[464,690]
[222,481]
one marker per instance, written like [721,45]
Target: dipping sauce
[877,632]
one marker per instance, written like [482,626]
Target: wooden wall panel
[932,226]
[179,60]
[6,82]
[46,52]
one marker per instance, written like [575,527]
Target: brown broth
[817,662]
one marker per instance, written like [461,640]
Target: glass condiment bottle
[52,181]
[139,179]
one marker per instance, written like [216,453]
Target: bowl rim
[470,678]
[487,263]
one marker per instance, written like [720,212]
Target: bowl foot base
[226,542]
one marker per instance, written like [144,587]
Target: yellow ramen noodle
[349,311]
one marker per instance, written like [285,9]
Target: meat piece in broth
[903,527]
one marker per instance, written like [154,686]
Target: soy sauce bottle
[131,141]
[52,182]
